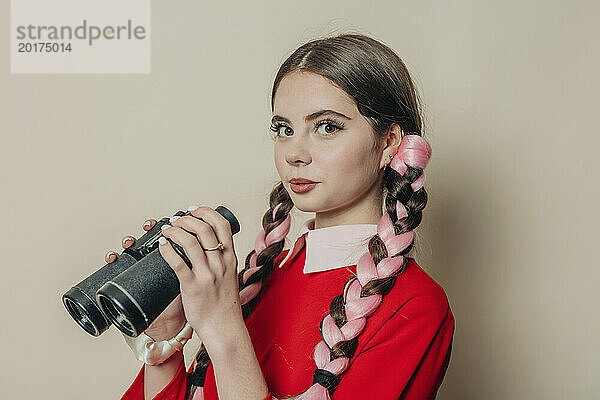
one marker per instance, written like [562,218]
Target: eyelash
[337,124]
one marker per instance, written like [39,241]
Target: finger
[184,274]
[127,241]
[110,256]
[207,239]
[192,248]
[148,224]
[222,229]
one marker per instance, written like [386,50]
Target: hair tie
[414,151]
[326,379]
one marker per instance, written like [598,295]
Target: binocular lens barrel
[93,324]
[80,299]
[134,289]
[133,299]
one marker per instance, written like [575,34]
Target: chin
[306,209]
[306,204]
[315,204]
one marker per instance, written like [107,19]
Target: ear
[392,140]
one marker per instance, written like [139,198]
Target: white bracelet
[151,352]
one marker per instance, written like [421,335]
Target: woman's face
[333,148]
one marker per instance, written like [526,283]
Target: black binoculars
[134,290]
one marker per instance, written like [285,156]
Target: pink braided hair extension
[414,151]
[262,242]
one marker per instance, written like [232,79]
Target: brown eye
[278,132]
[286,129]
[327,128]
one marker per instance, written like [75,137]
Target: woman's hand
[129,240]
[209,291]
[172,319]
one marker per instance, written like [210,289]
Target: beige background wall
[510,230]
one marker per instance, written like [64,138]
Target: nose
[299,151]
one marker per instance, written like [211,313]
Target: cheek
[279,159]
[351,165]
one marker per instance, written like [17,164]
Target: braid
[377,269]
[257,268]
[268,245]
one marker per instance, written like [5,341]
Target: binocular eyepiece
[134,290]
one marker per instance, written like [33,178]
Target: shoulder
[415,295]
[416,305]
[416,284]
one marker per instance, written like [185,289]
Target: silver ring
[217,247]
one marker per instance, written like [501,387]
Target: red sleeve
[175,390]
[408,356]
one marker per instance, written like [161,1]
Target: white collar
[331,247]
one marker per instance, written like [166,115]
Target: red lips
[301,181]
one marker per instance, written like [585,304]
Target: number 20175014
[40,47]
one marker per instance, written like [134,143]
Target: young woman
[345,313]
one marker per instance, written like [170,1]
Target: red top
[404,349]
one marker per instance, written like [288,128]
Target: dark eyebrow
[309,117]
